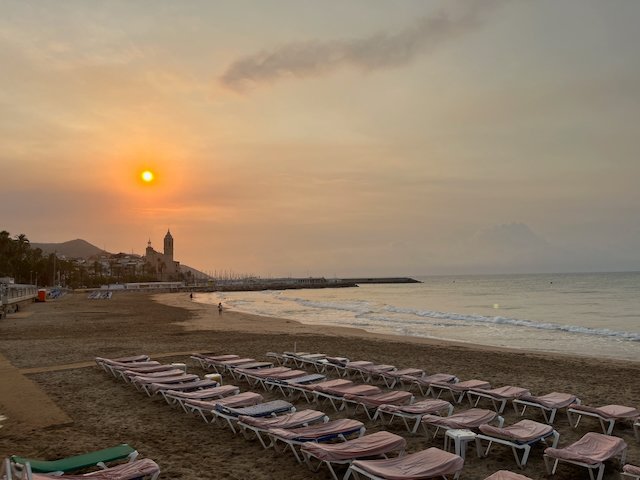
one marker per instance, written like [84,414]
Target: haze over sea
[593,314]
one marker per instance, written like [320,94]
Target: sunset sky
[357,137]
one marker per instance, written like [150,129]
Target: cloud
[377,51]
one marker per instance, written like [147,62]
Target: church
[163,264]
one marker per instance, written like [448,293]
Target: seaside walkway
[23,401]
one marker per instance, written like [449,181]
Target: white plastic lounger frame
[257,431]
[359,472]
[496,420]
[268,409]
[355,428]
[549,413]
[499,401]
[515,445]
[607,423]
[551,463]
[371,408]
[417,417]
[314,463]
[457,390]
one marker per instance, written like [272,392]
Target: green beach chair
[77,462]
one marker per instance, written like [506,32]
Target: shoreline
[53,344]
[242,321]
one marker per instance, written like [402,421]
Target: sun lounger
[591,451]
[429,463]
[203,358]
[135,470]
[323,432]
[225,365]
[607,415]
[187,386]
[204,408]
[520,436]
[367,372]
[506,475]
[335,395]
[293,387]
[259,425]
[161,370]
[175,397]
[302,359]
[377,444]
[111,365]
[413,412]
[353,368]
[254,377]
[549,404]
[334,364]
[267,409]
[457,390]
[393,377]
[140,380]
[78,462]
[370,403]
[424,383]
[307,389]
[630,472]
[466,419]
[498,396]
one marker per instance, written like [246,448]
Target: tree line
[27,265]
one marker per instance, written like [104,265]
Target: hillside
[72,249]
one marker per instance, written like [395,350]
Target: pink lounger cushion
[434,378]
[126,471]
[396,397]
[290,420]
[334,427]
[468,385]
[609,411]
[264,372]
[429,463]
[244,399]
[368,446]
[418,408]
[340,382]
[503,393]
[632,469]
[355,389]
[213,392]
[592,448]
[506,475]
[471,418]
[551,400]
[523,432]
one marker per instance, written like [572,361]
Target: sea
[589,314]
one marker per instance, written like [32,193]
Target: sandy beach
[53,345]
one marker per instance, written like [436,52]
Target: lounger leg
[522,463]
[550,467]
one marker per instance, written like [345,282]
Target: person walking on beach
[191,296]
[220,308]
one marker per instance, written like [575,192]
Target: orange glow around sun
[147,176]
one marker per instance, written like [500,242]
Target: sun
[147,176]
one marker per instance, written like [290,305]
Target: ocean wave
[517,322]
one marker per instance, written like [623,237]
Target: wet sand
[53,345]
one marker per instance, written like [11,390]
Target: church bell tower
[168,245]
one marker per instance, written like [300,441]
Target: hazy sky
[327,137]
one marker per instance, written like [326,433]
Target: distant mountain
[72,249]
